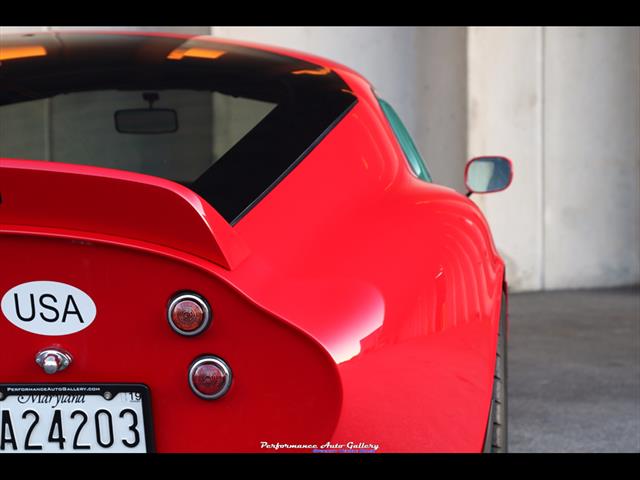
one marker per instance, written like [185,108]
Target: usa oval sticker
[48,308]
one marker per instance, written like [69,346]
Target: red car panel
[354,302]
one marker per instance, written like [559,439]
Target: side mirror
[488,174]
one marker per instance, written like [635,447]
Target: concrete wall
[592,157]
[563,103]
[505,108]
[441,129]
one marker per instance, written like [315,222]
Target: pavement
[574,371]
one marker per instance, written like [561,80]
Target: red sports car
[213,246]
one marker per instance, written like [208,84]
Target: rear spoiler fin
[115,202]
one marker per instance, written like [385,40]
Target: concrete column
[592,157]
[564,104]
[441,102]
[505,112]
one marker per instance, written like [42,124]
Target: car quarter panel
[399,279]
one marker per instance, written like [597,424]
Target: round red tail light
[189,314]
[209,377]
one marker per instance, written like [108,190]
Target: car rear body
[354,302]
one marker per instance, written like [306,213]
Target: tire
[496,435]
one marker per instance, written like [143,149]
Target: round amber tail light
[209,377]
[189,314]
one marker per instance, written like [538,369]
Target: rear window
[228,122]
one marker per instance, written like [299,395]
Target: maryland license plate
[75,418]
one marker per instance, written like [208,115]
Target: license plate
[75,418]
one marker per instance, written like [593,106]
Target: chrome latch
[53,360]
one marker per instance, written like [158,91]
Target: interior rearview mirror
[488,174]
[146,120]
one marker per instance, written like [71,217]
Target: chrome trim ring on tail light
[200,302]
[220,367]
